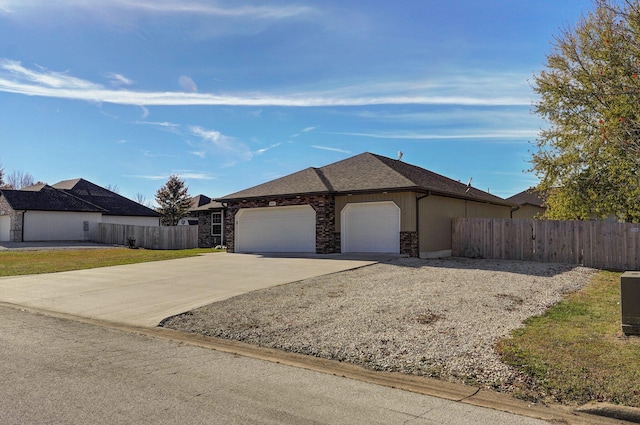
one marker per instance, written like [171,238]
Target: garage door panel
[5,228]
[371,227]
[276,229]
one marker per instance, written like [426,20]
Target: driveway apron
[144,294]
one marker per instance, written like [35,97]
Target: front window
[216,227]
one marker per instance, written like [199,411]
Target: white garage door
[370,227]
[5,226]
[276,229]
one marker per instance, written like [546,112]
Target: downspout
[223,239]
[23,225]
[514,209]
[418,218]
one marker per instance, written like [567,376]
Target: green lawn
[13,263]
[576,351]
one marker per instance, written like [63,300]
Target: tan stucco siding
[406,201]
[480,210]
[528,211]
[436,213]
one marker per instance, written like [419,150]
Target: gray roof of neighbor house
[530,196]
[363,173]
[111,202]
[213,205]
[198,201]
[47,199]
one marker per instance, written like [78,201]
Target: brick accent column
[409,244]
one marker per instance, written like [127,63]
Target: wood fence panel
[598,244]
[150,237]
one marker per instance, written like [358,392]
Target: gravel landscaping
[437,318]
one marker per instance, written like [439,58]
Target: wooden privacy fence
[598,244]
[150,237]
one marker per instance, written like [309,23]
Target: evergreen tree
[588,159]
[173,200]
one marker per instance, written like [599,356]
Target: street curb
[624,413]
[417,384]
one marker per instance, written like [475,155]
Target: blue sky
[230,94]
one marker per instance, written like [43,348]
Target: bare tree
[142,200]
[19,179]
[113,188]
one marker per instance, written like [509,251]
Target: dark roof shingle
[530,196]
[366,172]
[47,199]
[111,202]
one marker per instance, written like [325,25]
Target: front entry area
[276,229]
[370,227]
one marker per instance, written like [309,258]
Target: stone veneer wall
[324,205]
[409,244]
[15,230]
[205,239]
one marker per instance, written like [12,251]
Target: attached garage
[370,227]
[276,229]
[5,227]
[58,225]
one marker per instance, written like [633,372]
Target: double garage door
[365,227]
[276,229]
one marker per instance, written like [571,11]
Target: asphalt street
[58,371]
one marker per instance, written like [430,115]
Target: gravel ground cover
[438,318]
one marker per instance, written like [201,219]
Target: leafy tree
[173,200]
[588,159]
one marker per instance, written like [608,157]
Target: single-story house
[366,203]
[65,211]
[208,215]
[530,204]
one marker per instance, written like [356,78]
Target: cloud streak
[330,149]
[495,134]
[194,7]
[15,78]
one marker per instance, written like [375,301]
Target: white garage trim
[276,229]
[5,228]
[370,227]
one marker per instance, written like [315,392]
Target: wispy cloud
[227,149]
[330,149]
[263,150]
[493,134]
[193,7]
[163,125]
[20,80]
[183,174]
[118,80]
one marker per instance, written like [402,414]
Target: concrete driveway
[144,294]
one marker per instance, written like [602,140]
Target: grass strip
[576,352]
[14,263]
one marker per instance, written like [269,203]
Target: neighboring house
[65,211]
[530,204]
[119,210]
[209,216]
[366,203]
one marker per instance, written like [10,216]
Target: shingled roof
[111,202]
[528,197]
[363,173]
[47,199]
